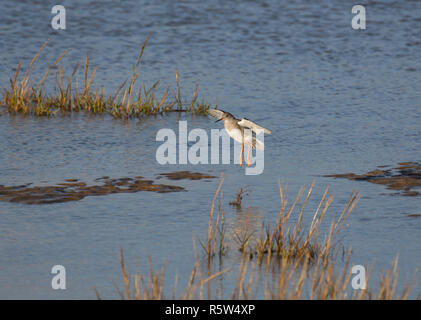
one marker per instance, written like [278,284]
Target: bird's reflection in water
[245,227]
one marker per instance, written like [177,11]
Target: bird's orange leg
[248,155]
[241,155]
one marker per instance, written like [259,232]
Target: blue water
[337,100]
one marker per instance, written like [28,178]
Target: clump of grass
[301,279]
[306,276]
[17,99]
[290,240]
[388,282]
[285,239]
[23,97]
[322,280]
[151,286]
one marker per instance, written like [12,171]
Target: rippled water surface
[337,100]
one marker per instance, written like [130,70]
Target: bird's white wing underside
[216,113]
[246,123]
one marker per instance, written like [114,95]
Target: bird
[235,129]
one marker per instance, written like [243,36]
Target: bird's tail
[257,144]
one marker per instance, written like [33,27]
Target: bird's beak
[218,120]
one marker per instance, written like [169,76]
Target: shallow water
[337,100]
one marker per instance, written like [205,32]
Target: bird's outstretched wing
[246,123]
[216,113]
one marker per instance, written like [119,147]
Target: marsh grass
[151,286]
[290,240]
[129,101]
[287,238]
[290,281]
[291,264]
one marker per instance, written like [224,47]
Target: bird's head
[225,116]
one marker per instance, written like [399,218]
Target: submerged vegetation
[179,175]
[75,190]
[28,98]
[404,180]
[284,262]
